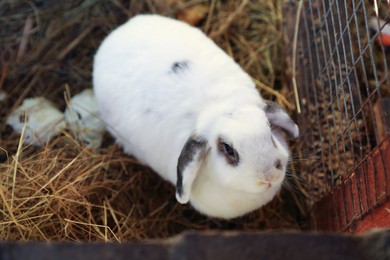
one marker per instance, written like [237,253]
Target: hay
[64,191]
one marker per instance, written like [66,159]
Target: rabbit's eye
[23,117]
[229,152]
[78,115]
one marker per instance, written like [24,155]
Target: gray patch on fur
[189,115]
[147,111]
[271,107]
[279,119]
[273,141]
[187,154]
[180,66]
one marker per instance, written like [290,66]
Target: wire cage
[343,83]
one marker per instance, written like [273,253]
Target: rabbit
[178,103]
[38,121]
[81,116]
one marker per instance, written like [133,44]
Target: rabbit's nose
[268,176]
[272,176]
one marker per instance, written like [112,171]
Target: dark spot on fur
[278,164]
[271,107]
[187,154]
[78,115]
[273,141]
[23,117]
[230,154]
[189,115]
[179,66]
[279,119]
[147,111]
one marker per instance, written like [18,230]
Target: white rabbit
[178,103]
[82,118]
[40,118]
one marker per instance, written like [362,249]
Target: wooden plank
[361,173]
[369,206]
[379,217]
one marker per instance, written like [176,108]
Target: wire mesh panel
[343,78]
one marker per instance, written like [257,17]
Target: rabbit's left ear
[279,118]
[189,162]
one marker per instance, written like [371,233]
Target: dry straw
[63,191]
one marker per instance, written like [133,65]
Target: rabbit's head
[243,150]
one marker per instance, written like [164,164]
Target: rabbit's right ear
[279,118]
[189,162]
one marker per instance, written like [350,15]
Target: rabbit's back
[152,76]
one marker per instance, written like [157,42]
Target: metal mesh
[342,73]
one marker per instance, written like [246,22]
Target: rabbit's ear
[189,162]
[279,118]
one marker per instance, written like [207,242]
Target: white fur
[152,111]
[82,118]
[40,118]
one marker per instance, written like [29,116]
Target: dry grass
[67,192]
[64,191]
